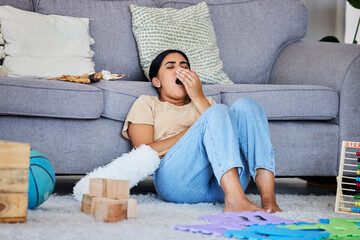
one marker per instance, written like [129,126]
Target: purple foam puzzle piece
[213,229]
[246,218]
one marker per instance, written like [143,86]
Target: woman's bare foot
[269,204]
[240,205]
[235,198]
[265,183]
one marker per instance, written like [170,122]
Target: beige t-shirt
[168,119]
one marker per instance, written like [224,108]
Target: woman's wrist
[201,103]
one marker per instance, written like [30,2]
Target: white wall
[352,18]
[325,17]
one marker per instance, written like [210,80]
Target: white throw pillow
[26,66]
[45,45]
[189,30]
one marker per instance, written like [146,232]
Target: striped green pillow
[189,30]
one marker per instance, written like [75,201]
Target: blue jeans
[222,138]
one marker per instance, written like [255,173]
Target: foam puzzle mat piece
[233,221]
[345,238]
[273,232]
[337,227]
[246,218]
[324,221]
[208,229]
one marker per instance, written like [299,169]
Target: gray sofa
[310,90]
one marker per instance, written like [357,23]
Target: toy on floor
[41,179]
[348,187]
[109,200]
[273,232]
[233,221]
[339,228]
[90,78]
[133,166]
[209,229]
[14,181]
[246,218]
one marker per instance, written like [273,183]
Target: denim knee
[247,105]
[217,112]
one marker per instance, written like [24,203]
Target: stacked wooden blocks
[109,200]
[14,181]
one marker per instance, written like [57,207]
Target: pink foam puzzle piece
[246,218]
[213,229]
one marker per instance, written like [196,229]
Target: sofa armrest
[327,64]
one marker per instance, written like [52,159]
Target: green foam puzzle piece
[339,228]
[272,232]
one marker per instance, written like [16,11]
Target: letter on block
[13,207]
[14,155]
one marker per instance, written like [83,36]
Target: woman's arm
[144,134]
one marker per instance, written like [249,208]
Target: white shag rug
[60,218]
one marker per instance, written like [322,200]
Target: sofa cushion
[250,33]
[110,27]
[49,98]
[120,95]
[286,102]
[22,4]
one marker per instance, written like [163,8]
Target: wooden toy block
[109,212]
[97,200]
[14,155]
[118,189]
[13,207]
[129,205]
[97,187]
[131,210]
[94,204]
[86,203]
[109,188]
[108,194]
[14,180]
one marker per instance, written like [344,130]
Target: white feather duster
[133,166]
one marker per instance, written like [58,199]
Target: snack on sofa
[308,89]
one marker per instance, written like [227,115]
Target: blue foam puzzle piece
[301,223]
[339,228]
[324,221]
[272,232]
